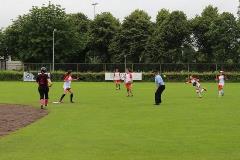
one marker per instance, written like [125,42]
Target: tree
[238,10]
[132,38]
[80,28]
[155,45]
[210,37]
[162,16]
[102,30]
[2,45]
[30,36]
[224,33]
[170,37]
[201,28]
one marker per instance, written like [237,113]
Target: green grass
[103,124]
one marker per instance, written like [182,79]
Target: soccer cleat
[222,93]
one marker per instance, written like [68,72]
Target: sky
[10,9]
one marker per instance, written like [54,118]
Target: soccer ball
[164,76]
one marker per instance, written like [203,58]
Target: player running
[44,82]
[221,82]
[67,86]
[117,79]
[195,82]
[128,82]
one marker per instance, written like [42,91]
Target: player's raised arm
[188,80]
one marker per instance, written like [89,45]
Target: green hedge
[99,77]
[11,76]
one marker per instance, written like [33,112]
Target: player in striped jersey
[196,83]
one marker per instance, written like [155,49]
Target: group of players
[44,83]
[199,89]
[128,80]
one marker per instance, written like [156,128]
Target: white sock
[222,92]
[199,94]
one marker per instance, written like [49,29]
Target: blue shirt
[159,80]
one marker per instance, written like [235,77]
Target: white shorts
[66,86]
[221,84]
[198,87]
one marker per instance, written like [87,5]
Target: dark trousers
[158,94]
[43,92]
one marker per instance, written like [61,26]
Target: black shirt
[42,79]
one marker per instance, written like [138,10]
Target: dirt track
[14,117]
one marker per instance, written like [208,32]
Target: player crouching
[67,86]
[195,82]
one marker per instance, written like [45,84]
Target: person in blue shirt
[160,87]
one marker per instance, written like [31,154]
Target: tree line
[211,37]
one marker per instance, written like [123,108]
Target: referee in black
[160,87]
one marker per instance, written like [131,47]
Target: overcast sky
[10,9]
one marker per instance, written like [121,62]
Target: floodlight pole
[53,59]
[125,61]
[94,8]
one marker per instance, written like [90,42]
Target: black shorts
[194,84]
[43,92]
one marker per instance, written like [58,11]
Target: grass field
[103,124]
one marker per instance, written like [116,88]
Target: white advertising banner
[136,76]
[28,77]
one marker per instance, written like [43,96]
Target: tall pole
[125,61]
[94,14]
[94,8]
[238,10]
[53,59]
